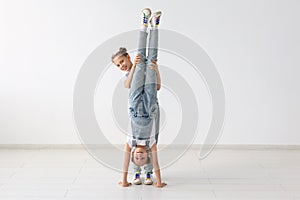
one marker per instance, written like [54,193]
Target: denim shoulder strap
[134,144]
[148,145]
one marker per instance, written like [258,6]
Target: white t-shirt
[142,142]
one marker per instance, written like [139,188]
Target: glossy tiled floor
[225,174]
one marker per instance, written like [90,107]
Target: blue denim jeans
[143,103]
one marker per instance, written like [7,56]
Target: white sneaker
[146,14]
[148,179]
[155,19]
[137,180]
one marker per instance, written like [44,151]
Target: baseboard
[41,146]
[193,146]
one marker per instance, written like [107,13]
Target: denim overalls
[143,105]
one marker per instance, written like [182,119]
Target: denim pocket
[132,113]
[138,113]
[153,111]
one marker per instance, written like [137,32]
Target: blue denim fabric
[143,90]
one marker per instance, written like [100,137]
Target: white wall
[254,44]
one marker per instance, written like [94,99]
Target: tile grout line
[75,178]
[215,195]
[12,175]
[66,193]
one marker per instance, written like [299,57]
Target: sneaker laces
[148,176]
[137,176]
[157,20]
[145,19]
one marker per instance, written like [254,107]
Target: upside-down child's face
[140,156]
[123,62]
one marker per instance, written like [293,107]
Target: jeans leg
[153,45]
[137,169]
[150,87]
[142,45]
[138,80]
[157,120]
[148,168]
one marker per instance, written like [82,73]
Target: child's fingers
[152,66]
[138,59]
[124,184]
[160,186]
[127,185]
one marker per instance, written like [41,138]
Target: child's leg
[137,171]
[142,45]
[153,45]
[140,123]
[148,168]
[148,171]
[138,80]
[157,120]
[153,41]
[150,87]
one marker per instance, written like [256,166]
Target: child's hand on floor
[159,185]
[124,184]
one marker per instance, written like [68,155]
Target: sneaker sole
[147,9]
[156,14]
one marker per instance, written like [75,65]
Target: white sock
[144,28]
[154,27]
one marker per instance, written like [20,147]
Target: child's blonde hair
[122,52]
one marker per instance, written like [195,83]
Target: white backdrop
[254,44]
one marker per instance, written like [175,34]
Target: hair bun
[123,49]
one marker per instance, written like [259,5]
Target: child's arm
[156,167]
[158,79]
[127,82]
[124,182]
[137,60]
